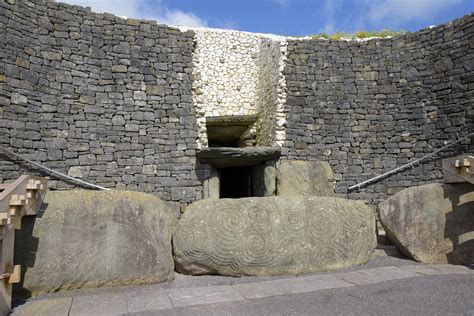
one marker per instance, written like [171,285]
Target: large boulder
[297,177]
[432,223]
[97,238]
[273,235]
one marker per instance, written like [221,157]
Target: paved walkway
[154,299]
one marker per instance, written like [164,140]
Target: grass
[359,34]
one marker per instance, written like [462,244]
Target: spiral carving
[274,235]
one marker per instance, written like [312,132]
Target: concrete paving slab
[452,269]
[147,301]
[204,295]
[107,304]
[390,273]
[260,289]
[312,283]
[375,275]
[421,269]
[50,307]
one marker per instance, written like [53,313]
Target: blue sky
[290,17]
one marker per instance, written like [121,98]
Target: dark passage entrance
[235,182]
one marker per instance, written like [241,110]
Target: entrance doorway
[236,182]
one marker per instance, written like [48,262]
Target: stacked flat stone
[98,97]
[122,103]
[369,106]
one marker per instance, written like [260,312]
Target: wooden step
[18,200]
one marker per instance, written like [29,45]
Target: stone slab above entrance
[222,157]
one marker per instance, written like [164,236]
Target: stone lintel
[245,120]
[222,157]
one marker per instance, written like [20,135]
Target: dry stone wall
[98,97]
[122,103]
[370,106]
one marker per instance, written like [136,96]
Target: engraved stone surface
[432,223]
[305,178]
[273,235]
[97,238]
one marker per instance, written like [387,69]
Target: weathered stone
[228,156]
[345,102]
[97,238]
[264,180]
[78,171]
[29,75]
[18,99]
[22,62]
[273,235]
[211,186]
[139,95]
[119,68]
[305,178]
[51,55]
[155,89]
[444,64]
[122,48]
[133,22]
[432,223]
[183,194]
[118,120]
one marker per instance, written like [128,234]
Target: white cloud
[399,11]
[142,9]
[329,12]
[180,18]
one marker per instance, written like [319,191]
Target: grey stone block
[45,307]
[106,304]
[204,295]
[260,289]
[426,222]
[312,283]
[305,178]
[143,301]
[376,275]
[273,235]
[102,235]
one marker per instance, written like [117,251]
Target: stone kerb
[273,235]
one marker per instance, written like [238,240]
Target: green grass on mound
[359,34]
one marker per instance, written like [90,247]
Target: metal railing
[406,166]
[51,171]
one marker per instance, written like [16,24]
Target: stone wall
[226,75]
[370,106]
[271,92]
[98,97]
[122,103]
[239,73]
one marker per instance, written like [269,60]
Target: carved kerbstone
[93,239]
[432,223]
[273,235]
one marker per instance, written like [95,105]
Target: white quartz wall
[271,93]
[238,73]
